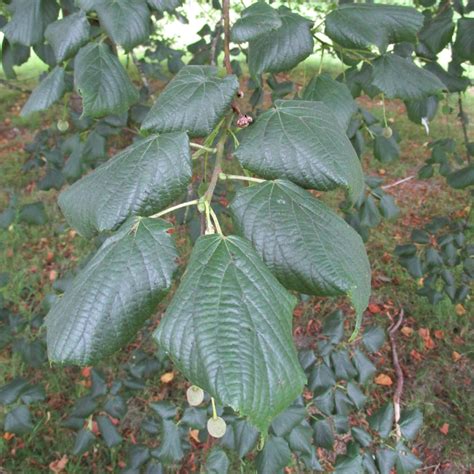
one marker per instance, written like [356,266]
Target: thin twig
[226,15]
[463,120]
[392,332]
[400,181]
[140,70]
[215,40]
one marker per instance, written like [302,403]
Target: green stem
[216,221]
[384,111]
[197,146]
[174,208]
[214,411]
[224,176]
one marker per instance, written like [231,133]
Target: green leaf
[438,31]
[359,26]
[286,421]
[386,458]
[356,395]
[83,442]
[113,295]
[400,78]
[127,22]
[406,461]
[33,214]
[281,49]
[364,366]
[116,406]
[170,450]
[324,400]
[10,392]
[333,326]
[29,20]
[452,82]
[386,149]
[348,465]
[13,55]
[195,418]
[274,456]
[108,431]
[312,250]
[239,351]
[461,178]
[361,436]
[373,338]
[164,409]
[142,179]
[18,421]
[410,423]
[194,101]
[418,109]
[323,434]
[321,377]
[342,364]
[50,90]
[217,461]
[382,420]
[336,95]
[102,82]
[464,44]
[388,207]
[301,141]
[245,437]
[67,35]
[300,439]
[164,5]
[254,21]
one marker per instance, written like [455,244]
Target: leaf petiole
[197,146]
[214,411]
[174,208]
[224,176]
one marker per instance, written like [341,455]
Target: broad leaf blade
[301,141]
[336,95]
[102,82]
[142,179]
[283,48]
[254,21]
[67,35]
[194,101]
[127,22]
[361,26]
[464,44]
[113,295]
[228,329]
[50,89]
[308,247]
[400,78]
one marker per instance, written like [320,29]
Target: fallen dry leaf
[374,308]
[167,377]
[456,356]
[460,309]
[194,434]
[444,429]
[59,465]
[407,331]
[415,355]
[439,334]
[383,379]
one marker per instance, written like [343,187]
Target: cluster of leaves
[442,257]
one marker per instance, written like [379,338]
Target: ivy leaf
[18,421]
[359,26]
[301,141]
[406,461]
[410,423]
[336,95]
[348,465]
[113,295]
[102,82]
[127,22]
[29,20]
[142,179]
[50,89]
[108,431]
[170,450]
[283,48]
[239,351]
[67,35]
[286,421]
[10,392]
[246,437]
[274,456]
[33,214]
[464,44]
[83,442]
[400,78]
[312,250]
[254,21]
[386,458]
[217,461]
[364,366]
[194,101]
[361,436]
[382,420]
[323,434]
[373,338]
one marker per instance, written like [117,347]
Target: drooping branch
[392,332]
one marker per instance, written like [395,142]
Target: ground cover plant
[231,186]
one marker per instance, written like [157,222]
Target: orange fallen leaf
[456,356]
[374,308]
[439,334]
[86,372]
[460,309]
[429,343]
[59,465]
[194,435]
[8,436]
[444,429]
[53,275]
[167,377]
[424,333]
[415,355]
[407,331]
[383,379]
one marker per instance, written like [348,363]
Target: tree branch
[462,118]
[226,15]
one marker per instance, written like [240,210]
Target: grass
[34,256]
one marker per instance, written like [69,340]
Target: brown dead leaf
[415,355]
[460,309]
[407,331]
[383,379]
[456,356]
[59,465]
[444,429]
[167,377]
[439,334]
[374,308]
[8,436]
[194,435]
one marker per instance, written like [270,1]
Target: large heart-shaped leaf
[307,246]
[142,179]
[114,294]
[29,20]
[464,44]
[400,78]
[363,25]
[336,95]
[194,101]
[164,5]
[49,90]
[283,48]
[303,142]
[254,21]
[102,82]
[228,329]
[67,35]
[127,22]
[13,55]
[438,31]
